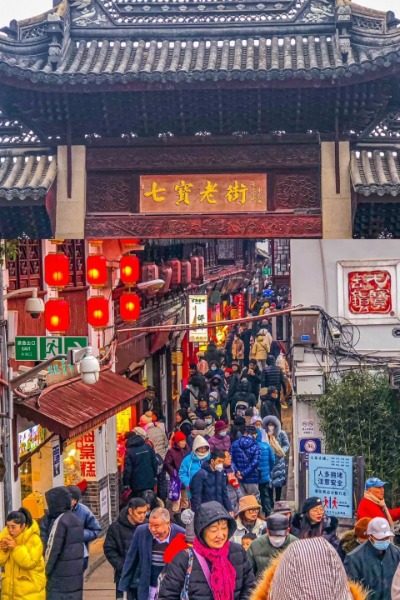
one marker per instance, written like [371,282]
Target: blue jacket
[208,485]
[136,573]
[267,462]
[246,457]
[190,465]
[91,526]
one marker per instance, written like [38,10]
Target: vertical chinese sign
[198,310]
[196,194]
[370,292]
[87,455]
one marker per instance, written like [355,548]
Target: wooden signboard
[202,194]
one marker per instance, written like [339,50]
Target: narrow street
[100,584]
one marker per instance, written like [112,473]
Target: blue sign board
[330,477]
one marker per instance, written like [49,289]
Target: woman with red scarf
[214,568]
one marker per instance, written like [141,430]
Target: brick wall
[92,498]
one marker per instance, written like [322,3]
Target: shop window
[26,270]
[75,250]
[281,259]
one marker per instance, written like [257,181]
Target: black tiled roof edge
[26,175]
[375,171]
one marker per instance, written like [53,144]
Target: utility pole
[6,404]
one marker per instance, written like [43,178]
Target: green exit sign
[42,348]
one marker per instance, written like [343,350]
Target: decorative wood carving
[192,158]
[296,190]
[110,192]
[270,225]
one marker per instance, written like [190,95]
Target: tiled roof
[26,175]
[376,171]
[275,57]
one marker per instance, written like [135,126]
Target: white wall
[314,280]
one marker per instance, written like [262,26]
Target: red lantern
[56,270]
[129,306]
[98,312]
[56,315]
[130,269]
[96,270]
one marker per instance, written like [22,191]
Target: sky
[20,9]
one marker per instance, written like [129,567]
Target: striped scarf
[310,570]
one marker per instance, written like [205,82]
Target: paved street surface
[100,584]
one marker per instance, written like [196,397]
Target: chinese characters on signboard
[198,308]
[87,455]
[191,194]
[370,292]
[330,477]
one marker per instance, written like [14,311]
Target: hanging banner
[198,314]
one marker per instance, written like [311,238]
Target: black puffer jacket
[175,572]
[209,485]
[140,470]
[64,567]
[117,542]
[273,376]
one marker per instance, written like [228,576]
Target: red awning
[73,408]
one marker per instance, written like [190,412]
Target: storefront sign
[30,439]
[198,311]
[194,194]
[56,460]
[42,348]
[330,477]
[370,292]
[87,455]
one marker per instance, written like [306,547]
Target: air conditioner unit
[394,377]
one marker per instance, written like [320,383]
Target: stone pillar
[336,208]
[70,212]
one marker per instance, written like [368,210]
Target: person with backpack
[214,567]
[140,471]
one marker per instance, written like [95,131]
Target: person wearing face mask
[278,537]
[203,411]
[191,464]
[312,522]
[248,518]
[279,442]
[220,440]
[217,396]
[374,563]
[210,483]
[353,538]
[373,503]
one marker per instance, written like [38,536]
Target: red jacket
[367,508]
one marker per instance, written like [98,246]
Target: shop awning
[73,408]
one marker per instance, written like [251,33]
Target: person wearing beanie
[210,483]
[307,570]
[268,546]
[246,458]
[219,569]
[192,462]
[248,518]
[172,463]
[374,563]
[312,522]
[373,503]
[352,539]
[91,526]
[220,440]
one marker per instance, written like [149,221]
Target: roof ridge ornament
[344,25]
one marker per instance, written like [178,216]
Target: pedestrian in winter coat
[253,375]
[279,442]
[195,389]
[353,538]
[155,432]
[312,522]
[273,375]
[374,563]
[259,351]
[243,395]
[120,533]
[233,382]
[145,558]
[203,411]
[215,569]
[266,465]
[91,526]
[140,469]
[307,570]
[237,429]
[246,458]
[268,546]
[64,550]
[237,349]
[373,503]
[220,440]
[270,402]
[191,464]
[210,483]
[248,519]
[182,422]
[21,558]
[212,355]
[172,463]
